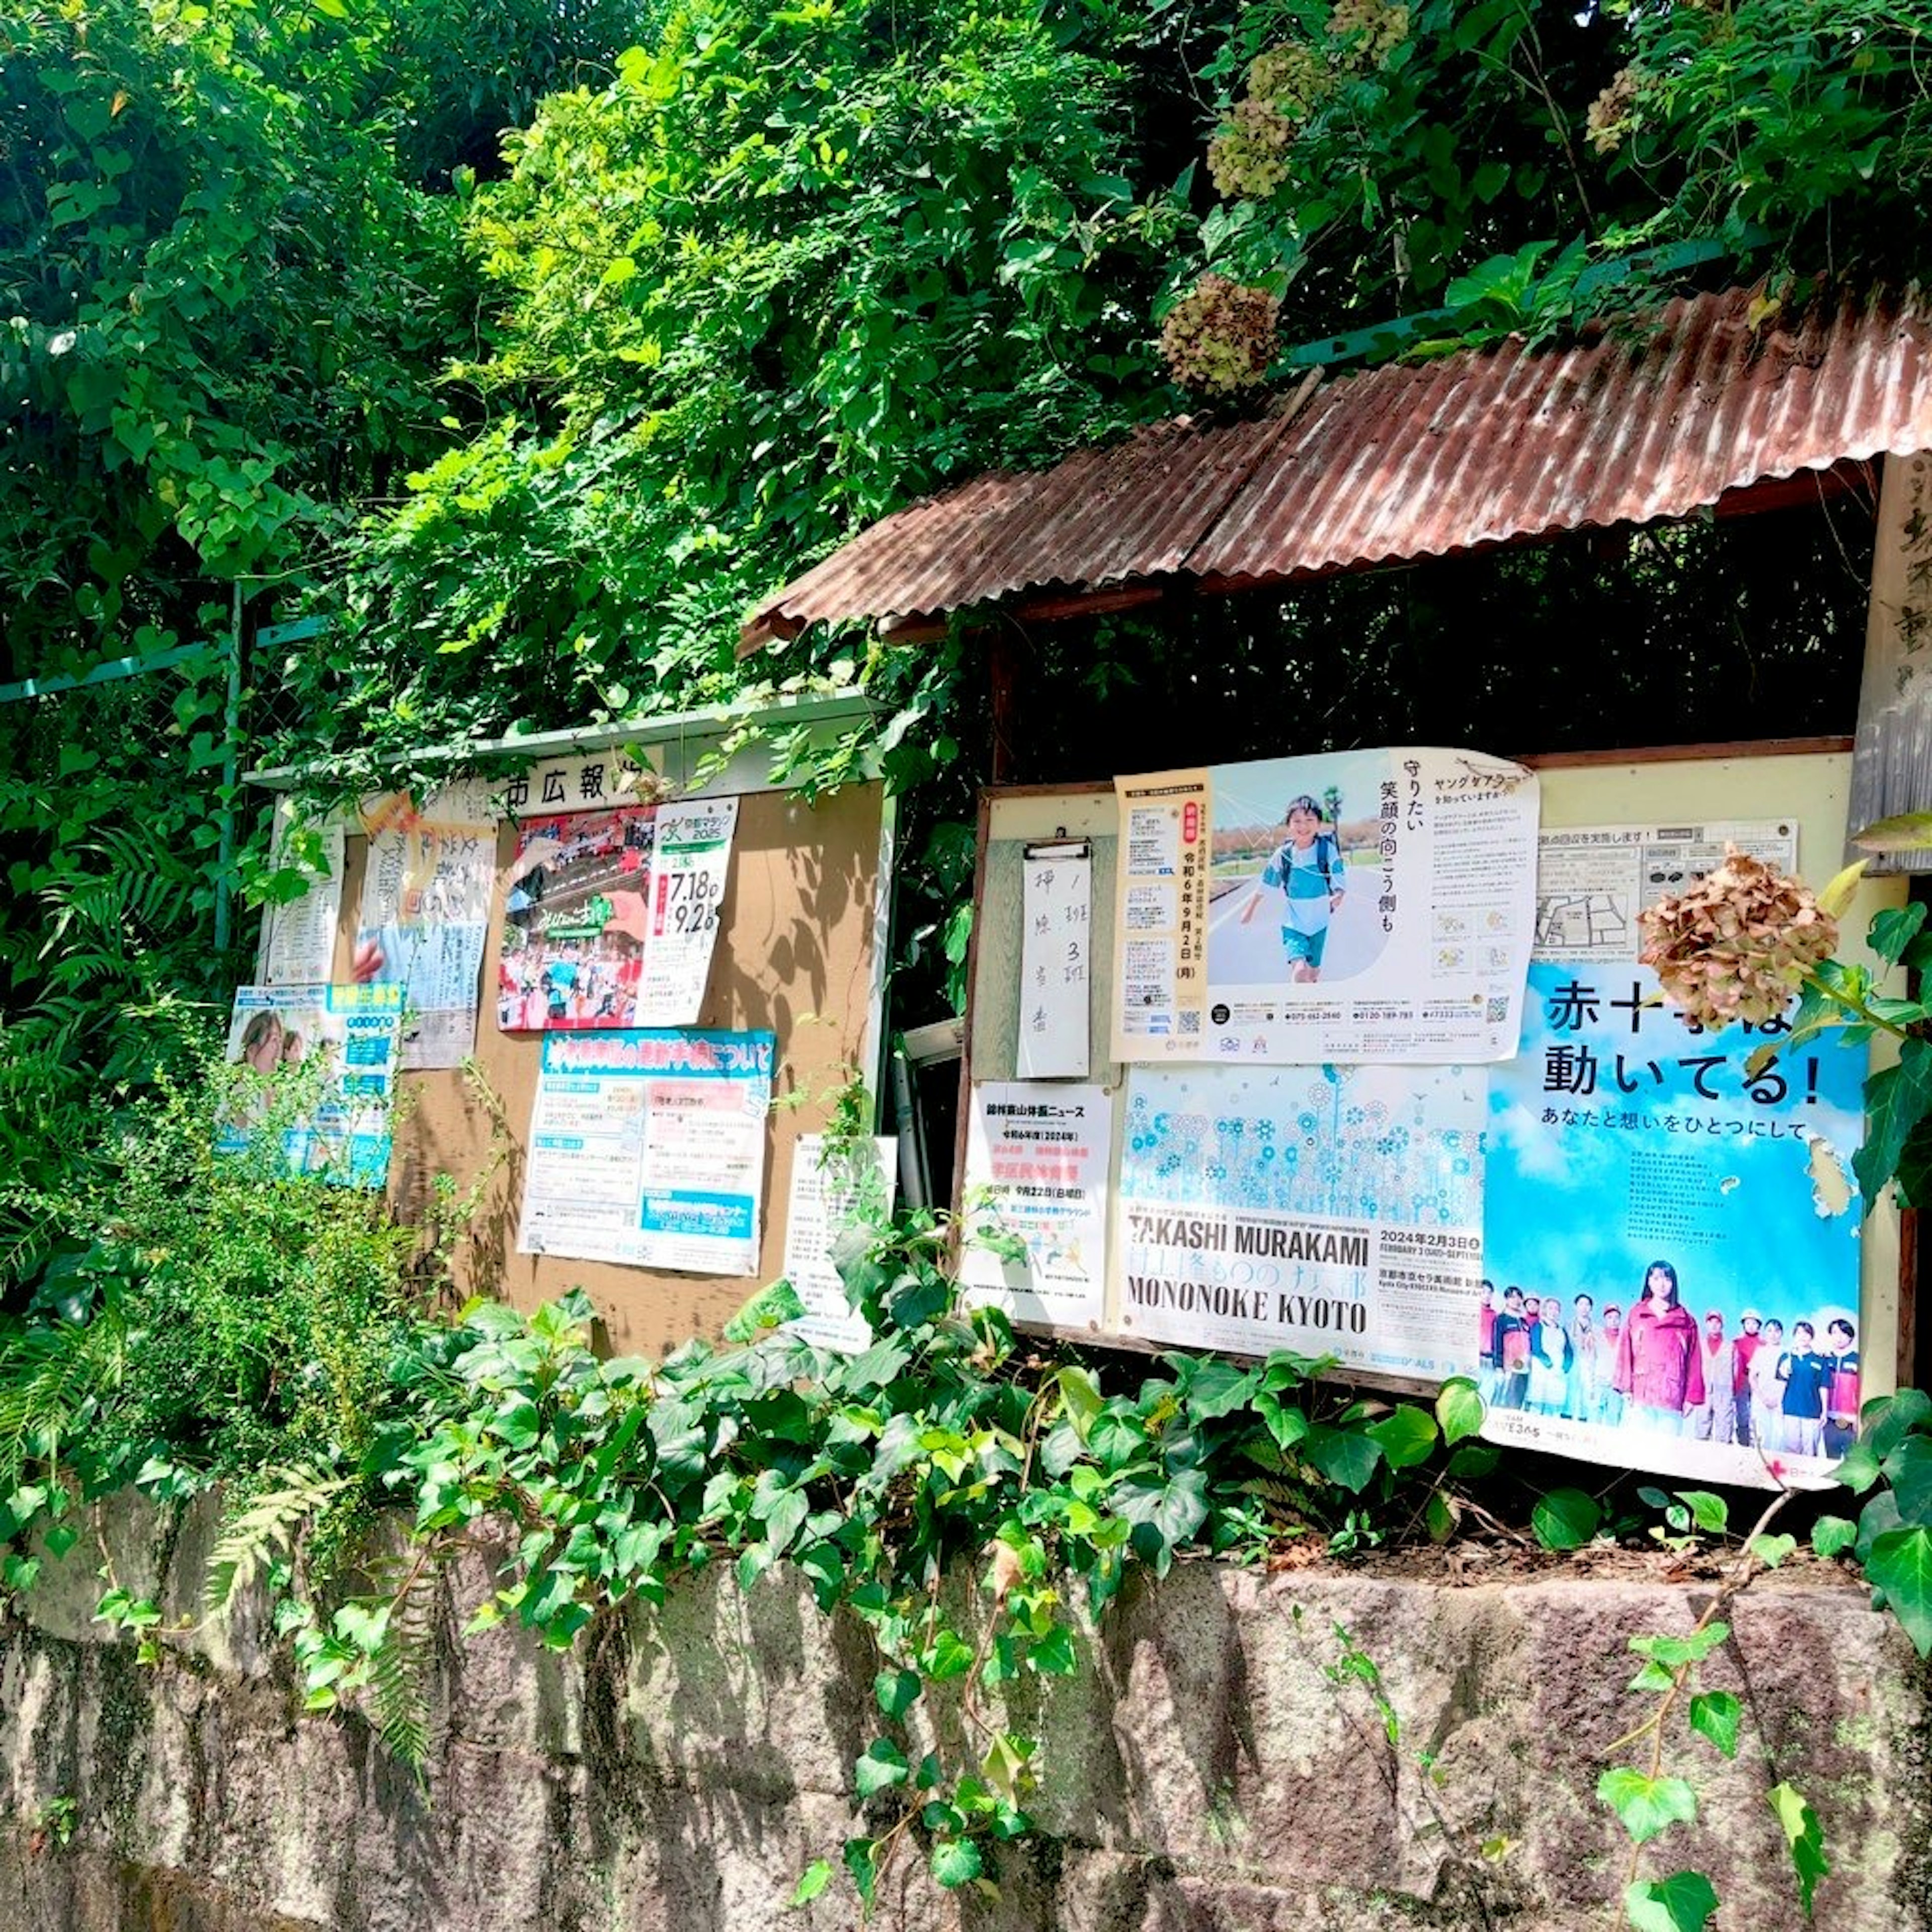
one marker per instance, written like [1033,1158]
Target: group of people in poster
[1784,1390]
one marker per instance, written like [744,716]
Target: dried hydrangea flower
[1376,28]
[1219,338]
[1249,155]
[1738,944]
[1291,77]
[1613,113]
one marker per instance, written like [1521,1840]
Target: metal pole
[230,778]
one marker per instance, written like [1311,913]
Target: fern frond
[399,1677]
[1285,1496]
[45,1375]
[266,1526]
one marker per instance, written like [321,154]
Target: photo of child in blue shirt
[1308,870]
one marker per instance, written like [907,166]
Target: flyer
[648,1147]
[1592,880]
[1334,1210]
[1369,907]
[824,1191]
[334,1049]
[1671,1237]
[425,914]
[1037,1157]
[298,943]
[689,864]
[574,921]
[1056,906]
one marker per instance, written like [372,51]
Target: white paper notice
[298,947]
[426,911]
[822,1196]
[649,1148]
[1036,1171]
[689,869]
[1592,880]
[1057,905]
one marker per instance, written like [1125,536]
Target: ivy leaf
[770,1308]
[1897,1099]
[1715,1715]
[1900,1564]
[1708,1511]
[956,1861]
[897,1691]
[1806,1837]
[1080,1396]
[1832,1536]
[862,1860]
[1348,1457]
[1683,1902]
[1909,1468]
[1565,1519]
[1859,1468]
[1772,1550]
[883,1765]
[1166,1512]
[1218,1388]
[1407,1435]
[1459,1409]
[1646,1805]
[1054,1653]
[816,1876]
[1893,929]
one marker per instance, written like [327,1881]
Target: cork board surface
[795,955]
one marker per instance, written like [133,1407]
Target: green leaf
[883,1765]
[897,1691]
[1906,831]
[1772,1550]
[1806,1837]
[1708,1510]
[1715,1715]
[1859,1468]
[1080,1395]
[1565,1519]
[956,1861]
[770,1308]
[1459,1409]
[861,1857]
[1900,1564]
[1348,1457]
[1218,1388]
[1646,1805]
[1908,1469]
[1895,928]
[1836,894]
[1683,1902]
[1832,1536]
[1407,1435]
[1053,1653]
[1674,1652]
[1897,1099]
[816,1876]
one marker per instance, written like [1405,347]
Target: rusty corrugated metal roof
[1635,423]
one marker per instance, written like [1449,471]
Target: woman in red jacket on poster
[1658,1367]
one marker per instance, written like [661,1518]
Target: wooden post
[1891,761]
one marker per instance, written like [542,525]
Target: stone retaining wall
[1202,1773]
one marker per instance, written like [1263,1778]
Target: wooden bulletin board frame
[801,951]
[1810,778]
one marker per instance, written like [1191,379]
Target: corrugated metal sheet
[1640,421]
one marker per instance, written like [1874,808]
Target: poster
[1334,1210]
[648,1147]
[1686,1230]
[425,914]
[822,1194]
[321,1063]
[1592,880]
[1056,907]
[574,918]
[1361,906]
[1036,1158]
[298,943]
[690,863]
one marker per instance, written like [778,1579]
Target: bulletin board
[1807,781]
[799,953]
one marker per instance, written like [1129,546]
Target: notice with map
[1366,906]
[1592,880]
[648,1147]
[1334,1210]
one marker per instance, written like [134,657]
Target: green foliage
[1566,1519]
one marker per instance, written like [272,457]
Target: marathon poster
[576,916]
[1671,1255]
[1332,1211]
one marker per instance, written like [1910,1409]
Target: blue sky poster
[1668,1288]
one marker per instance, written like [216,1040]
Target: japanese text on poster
[1592,880]
[827,1188]
[1362,907]
[690,863]
[1036,1159]
[648,1148]
[298,944]
[1670,1237]
[1056,904]
[1332,1210]
[320,1064]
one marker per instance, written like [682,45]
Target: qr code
[1498,1011]
[1190,1023]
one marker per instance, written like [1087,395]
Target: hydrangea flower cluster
[1219,336]
[1373,29]
[1613,112]
[1738,944]
[1249,155]
[1294,78]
